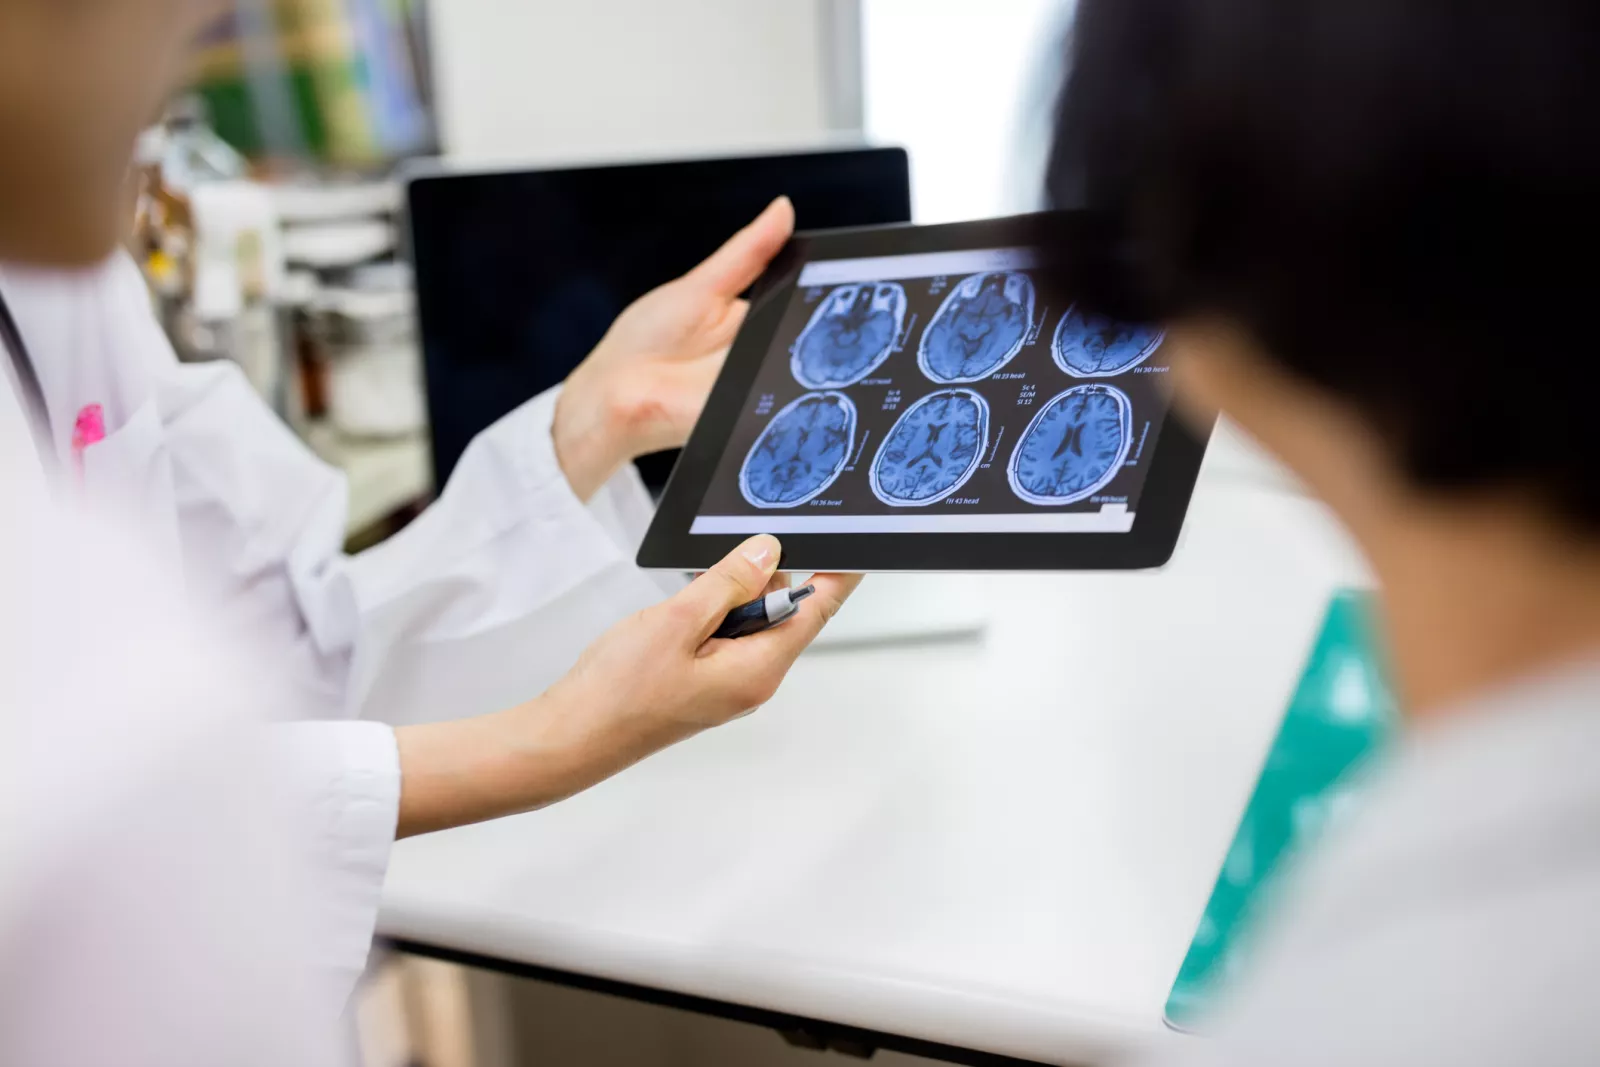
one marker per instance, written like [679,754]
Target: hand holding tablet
[926,398]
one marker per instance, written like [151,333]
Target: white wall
[589,79]
[966,87]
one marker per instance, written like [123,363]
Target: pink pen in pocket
[89,429]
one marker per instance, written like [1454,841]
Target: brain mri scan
[1092,346]
[932,449]
[1073,447]
[978,329]
[850,334]
[801,451]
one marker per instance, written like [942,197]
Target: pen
[763,613]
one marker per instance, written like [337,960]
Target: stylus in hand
[763,614]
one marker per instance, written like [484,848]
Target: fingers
[728,326]
[815,611]
[762,659]
[731,269]
[738,578]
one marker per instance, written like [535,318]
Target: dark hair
[1396,197]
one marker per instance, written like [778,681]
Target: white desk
[1002,844]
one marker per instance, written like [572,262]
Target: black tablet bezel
[668,545]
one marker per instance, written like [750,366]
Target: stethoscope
[28,379]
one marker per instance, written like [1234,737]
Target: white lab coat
[482,602]
[153,885]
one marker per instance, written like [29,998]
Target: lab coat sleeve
[492,593]
[346,775]
[483,601]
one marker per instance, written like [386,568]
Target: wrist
[587,436]
[581,733]
[564,741]
[526,757]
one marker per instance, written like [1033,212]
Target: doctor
[481,604]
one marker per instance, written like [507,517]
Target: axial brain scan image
[978,329]
[850,334]
[1074,447]
[801,451]
[932,449]
[1092,346]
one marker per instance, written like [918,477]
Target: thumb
[731,269]
[738,578]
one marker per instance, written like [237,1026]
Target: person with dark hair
[1362,222]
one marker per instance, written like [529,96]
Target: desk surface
[1001,844]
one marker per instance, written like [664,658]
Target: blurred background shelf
[386,475]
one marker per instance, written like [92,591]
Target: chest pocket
[127,476]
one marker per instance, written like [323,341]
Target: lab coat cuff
[348,776]
[538,465]
[622,506]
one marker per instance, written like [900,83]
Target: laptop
[519,273]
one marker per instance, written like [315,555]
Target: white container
[374,368]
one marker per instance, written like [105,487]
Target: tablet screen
[941,392]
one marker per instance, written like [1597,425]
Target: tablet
[931,398]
